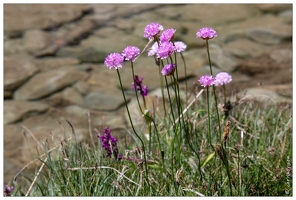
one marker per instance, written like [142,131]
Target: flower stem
[142,143]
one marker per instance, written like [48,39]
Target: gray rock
[104,99]
[46,83]
[35,40]
[244,48]
[13,47]
[36,16]
[282,55]
[274,8]
[221,59]
[17,70]
[55,63]
[16,110]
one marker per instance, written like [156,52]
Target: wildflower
[165,50]
[130,53]
[222,78]
[180,46]
[114,60]
[151,30]
[137,85]
[152,51]
[168,69]
[7,190]
[206,33]
[206,80]
[167,35]
[109,143]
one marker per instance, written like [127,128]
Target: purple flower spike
[206,33]
[180,46]
[137,85]
[222,78]
[153,49]
[114,60]
[7,190]
[109,143]
[167,35]
[151,30]
[165,50]
[206,80]
[168,69]
[130,53]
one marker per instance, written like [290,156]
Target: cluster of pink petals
[222,78]
[130,53]
[153,49]
[152,29]
[167,35]
[165,50]
[206,33]
[114,60]
[168,69]
[180,46]
[206,80]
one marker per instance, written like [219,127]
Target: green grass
[257,152]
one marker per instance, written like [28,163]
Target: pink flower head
[206,33]
[168,69]
[130,53]
[167,35]
[180,46]
[114,60]
[165,50]
[206,80]
[222,78]
[151,30]
[152,51]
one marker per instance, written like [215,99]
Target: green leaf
[207,159]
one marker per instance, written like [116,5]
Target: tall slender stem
[128,112]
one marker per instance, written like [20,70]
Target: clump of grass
[186,153]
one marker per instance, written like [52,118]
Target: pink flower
[167,35]
[206,80]
[152,51]
[206,33]
[222,78]
[114,60]
[130,53]
[151,30]
[165,50]
[168,69]
[180,46]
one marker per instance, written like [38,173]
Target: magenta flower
[130,53]
[167,35]
[222,78]
[153,49]
[168,69]
[109,143]
[137,85]
[114,60]
[206,33]
[151,30]
[180,46]
[7,190]
[165,50]
[206,80]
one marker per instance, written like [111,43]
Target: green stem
[142,143]
[150,119]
